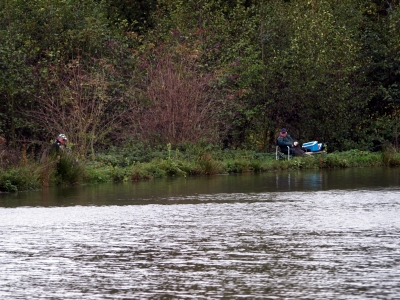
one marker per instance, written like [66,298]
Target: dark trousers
[295,151]
[298,151]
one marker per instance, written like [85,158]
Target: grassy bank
[131,165]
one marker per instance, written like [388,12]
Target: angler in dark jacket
[60,144]
[284,140]
[57,148]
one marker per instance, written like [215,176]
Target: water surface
[294,235]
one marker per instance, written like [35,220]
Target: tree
[318,71]
[178,104]
[80,102]
[59,63]
[15,70]
[382,43]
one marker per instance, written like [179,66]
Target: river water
[289,235]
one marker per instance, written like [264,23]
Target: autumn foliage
[179,102]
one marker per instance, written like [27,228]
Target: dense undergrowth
[135,163]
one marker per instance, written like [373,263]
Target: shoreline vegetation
[138,163]
[123,79]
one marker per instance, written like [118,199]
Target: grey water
[331,234]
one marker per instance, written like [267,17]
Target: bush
[171,168]
[120,174]
[389,156]
[237,165]
[97,174]
[209,166]
[68,170]
[145,171]
[8,187]
[129,154]
[20,179]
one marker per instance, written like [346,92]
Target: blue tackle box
[311,146]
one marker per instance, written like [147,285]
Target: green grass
[108,167]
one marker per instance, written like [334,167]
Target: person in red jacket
[284,140]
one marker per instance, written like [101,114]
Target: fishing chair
[280,155]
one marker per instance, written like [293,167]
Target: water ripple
[319,245]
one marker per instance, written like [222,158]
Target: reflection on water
[297,235]
[169,190]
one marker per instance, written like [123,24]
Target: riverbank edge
[66,170]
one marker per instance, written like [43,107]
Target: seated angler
[284,140]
